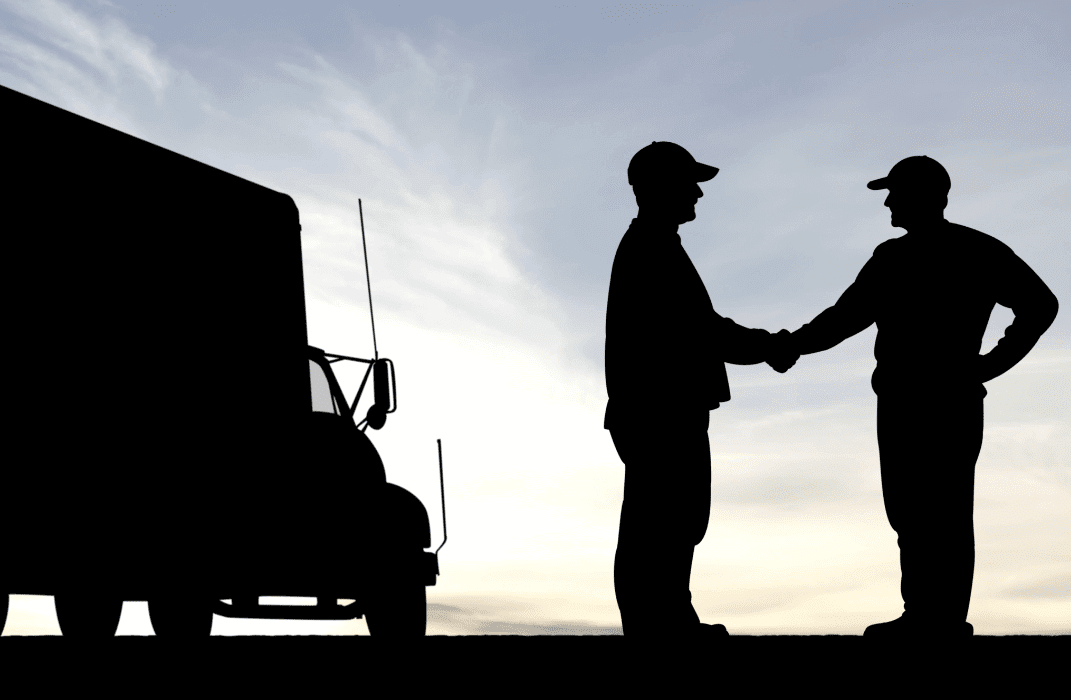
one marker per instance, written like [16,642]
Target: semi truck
[171,436]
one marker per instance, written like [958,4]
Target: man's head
[665,177]
[918,192]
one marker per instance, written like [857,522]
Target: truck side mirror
[381,384]
[385,393]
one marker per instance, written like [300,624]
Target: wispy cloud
[107,45]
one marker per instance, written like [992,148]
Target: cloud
[352,110]
[784,489]
[1056,587]
[493,616]
[106,45]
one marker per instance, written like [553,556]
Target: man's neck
[927,226]
[656,224]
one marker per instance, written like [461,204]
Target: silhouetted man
[665,349]
[931,292]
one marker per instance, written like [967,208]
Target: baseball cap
[664,160]
[917,173]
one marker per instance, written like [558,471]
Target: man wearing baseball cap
[931,292]
[665,354]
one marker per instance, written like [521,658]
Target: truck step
[289,612]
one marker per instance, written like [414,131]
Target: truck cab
[358,536]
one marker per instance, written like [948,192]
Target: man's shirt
[665,345]
[931,294]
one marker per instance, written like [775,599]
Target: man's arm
[1034,305]
[853,313]
[640,315]
[740,345]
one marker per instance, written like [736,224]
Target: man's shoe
[902,628]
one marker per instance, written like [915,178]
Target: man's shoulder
[889,247]
[975,237]
[626,250]
[979,250]
[631,237]
[961,235]
[638,247]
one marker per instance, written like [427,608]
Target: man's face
[672,201]
[909,208]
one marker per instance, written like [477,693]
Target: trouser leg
[929,450]
[665,513]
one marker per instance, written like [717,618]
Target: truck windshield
[323,401]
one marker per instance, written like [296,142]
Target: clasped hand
[783,353]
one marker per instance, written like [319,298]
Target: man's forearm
[1019,339]
[826,330]
[746,346]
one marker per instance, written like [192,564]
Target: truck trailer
[173,436]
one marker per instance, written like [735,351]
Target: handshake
[783,352]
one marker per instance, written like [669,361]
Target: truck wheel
[180,618]
[398,612]
[88,615]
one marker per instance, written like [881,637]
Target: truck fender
[405,517]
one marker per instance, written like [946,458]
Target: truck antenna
[369,278]
[443,492]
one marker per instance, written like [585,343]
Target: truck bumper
[222,582]
[329,611]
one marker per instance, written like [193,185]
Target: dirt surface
[557,665]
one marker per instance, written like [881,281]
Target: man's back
[931,294]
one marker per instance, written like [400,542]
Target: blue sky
[489,144]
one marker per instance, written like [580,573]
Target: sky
[488,143]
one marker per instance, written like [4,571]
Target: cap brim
[879,184]
[704,172]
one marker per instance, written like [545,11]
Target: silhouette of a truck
[170,436]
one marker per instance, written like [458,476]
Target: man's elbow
[1052,306]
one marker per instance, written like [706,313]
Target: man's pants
[664,516]
[929,446]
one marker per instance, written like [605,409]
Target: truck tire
[181,618]
[88,615]
[399,611]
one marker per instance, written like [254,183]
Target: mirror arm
[353,408]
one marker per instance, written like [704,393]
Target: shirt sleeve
[636,325]
[853,312]
[1018,288]
[739,345]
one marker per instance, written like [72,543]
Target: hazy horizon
[489,144]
